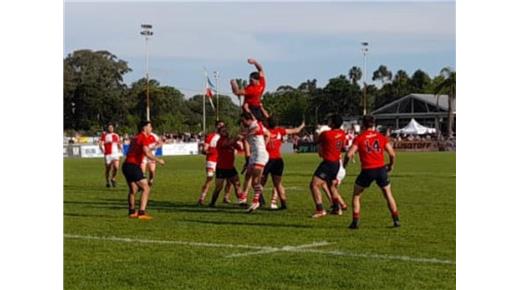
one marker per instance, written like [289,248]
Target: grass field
[187,247]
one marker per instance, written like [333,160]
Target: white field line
[285,248]
[262,249]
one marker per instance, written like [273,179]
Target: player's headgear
[254,75]
[336,121]
[368,121]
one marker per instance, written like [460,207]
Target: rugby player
[225,164]
[330,144]
[148,164]
[371,146]
[275,165]
[139,148]
[253,92]
[210,149]
[110,145]
[256,136]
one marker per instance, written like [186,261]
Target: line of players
[263,157]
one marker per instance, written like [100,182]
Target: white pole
[204,104]
[216,88]
[147,80]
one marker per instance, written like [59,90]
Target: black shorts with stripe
[274,167]
[380,175]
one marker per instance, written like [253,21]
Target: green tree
[382,74]
[355,74]
[448,86]
[93,89]
[419,81]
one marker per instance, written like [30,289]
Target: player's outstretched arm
[391,153]
[296,130]
[148,153]
[236,90]
[258,66]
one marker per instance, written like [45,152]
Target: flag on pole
[210,91]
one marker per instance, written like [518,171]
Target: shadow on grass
[254,224]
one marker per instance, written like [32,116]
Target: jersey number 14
[374,147]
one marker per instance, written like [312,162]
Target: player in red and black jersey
[371,146]
[226,164]
[275,165]
[253,92]
[139,149]
[330,145]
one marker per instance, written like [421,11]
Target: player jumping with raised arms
[371,146]
[253,92]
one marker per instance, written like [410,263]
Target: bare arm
[245,107]
[205,149]
[101,146]
[148,153]
[350,154]
[267,136]
[295,130]
[391,153]
[258,66]
[236,90]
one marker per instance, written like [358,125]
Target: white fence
[93,151]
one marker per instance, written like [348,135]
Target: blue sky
[293,41]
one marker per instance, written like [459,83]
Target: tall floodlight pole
[147,33]
[215,74]
[364,50]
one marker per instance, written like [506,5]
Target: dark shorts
[132,172]
[366,177]
[274,167]
[327,170]
[257,112]
[226,173]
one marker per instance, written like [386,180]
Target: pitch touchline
[307,248]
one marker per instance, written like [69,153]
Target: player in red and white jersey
[110,145]
[330,145]
[226,171]
[256,136]
[210,150]
[138,150]
[149,164]
[371,146]
[253,92]
[275,165]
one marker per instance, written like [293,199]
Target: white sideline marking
[263,249]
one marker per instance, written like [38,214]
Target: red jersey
[275,143]
[226,154]
[253,93]
[110,143]
[331,143]
[135,153]
[211,140]
[371,147]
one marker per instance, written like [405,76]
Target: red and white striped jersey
[110,143]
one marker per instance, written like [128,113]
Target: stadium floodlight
[147,33]
[364,50]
